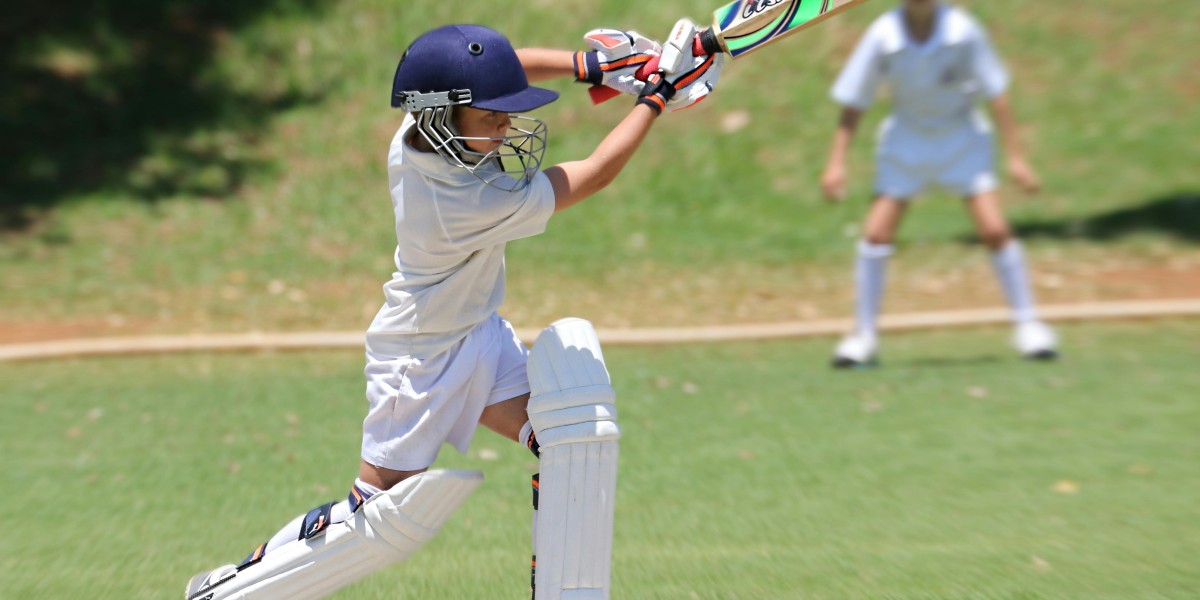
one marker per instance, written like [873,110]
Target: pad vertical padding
[571,397]
[388,529]
[572,409]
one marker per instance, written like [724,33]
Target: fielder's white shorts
[417,404]
[958,159]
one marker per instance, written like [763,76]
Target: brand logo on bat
[753,7]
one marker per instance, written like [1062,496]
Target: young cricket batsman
[465,177]
[939,64]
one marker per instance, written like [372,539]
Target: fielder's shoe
[856,350]
[1036,340]
[204,580]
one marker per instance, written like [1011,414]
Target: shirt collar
[429,164]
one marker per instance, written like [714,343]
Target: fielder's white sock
[870,274]
[1009,263]
[340,512]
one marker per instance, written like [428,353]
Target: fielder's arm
[833,181]
[1018,167]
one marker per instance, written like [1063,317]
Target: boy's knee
[879,238]
[995,238]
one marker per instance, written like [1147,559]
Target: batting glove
[615,58]
[693,82]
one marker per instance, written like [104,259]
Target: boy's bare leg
[883,220]
[384,479]
[989,219]
[1007,257]
[507,417]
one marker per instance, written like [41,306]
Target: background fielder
[938,63]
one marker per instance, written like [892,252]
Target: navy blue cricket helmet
[468,57]
[471,65]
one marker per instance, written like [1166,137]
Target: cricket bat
[739,28]
[743,26]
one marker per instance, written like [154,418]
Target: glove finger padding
[702,82]
[685,89]
[617,59]
[691,81]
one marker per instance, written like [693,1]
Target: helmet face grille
[509,167]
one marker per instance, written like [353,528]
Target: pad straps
[356,498]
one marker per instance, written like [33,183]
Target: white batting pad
[387,529]
[571,407]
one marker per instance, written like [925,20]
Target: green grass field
[256,198]
[747,471]
[218,165]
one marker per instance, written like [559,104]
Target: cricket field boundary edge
[317,340]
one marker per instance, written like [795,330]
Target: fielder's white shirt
[451,231]
[934,85]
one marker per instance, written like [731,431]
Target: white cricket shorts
[417,404]
[958,159]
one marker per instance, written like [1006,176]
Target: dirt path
[655,299]
[639,337]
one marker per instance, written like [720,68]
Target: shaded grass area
[132,99]
[748,471]
[1173,215]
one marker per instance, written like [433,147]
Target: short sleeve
[857,84]
[507,216]
[985,64]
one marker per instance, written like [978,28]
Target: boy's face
[919,8]
[476,123]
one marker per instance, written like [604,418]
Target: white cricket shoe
[205,580]
[856,350]
[1036,340]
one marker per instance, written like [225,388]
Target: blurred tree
[119,94]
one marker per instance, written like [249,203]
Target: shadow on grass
[939,362]
[1176,215]
[121,95]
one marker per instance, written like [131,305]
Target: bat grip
[706,42]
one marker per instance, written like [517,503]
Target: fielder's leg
[574,421]
[1031,337]
[870,275]
[387,528]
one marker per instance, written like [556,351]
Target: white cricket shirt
[935,85]
[451,230]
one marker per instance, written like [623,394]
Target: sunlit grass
[747,471]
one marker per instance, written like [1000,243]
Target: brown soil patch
[15,332]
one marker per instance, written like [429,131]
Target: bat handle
[706,42]
[703,43]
